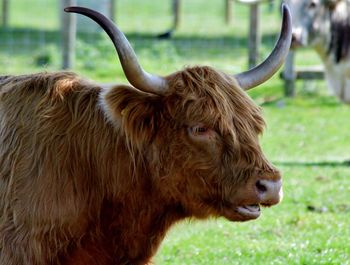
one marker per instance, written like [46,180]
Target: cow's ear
[134,111]
[331,4]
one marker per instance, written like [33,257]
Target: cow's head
[311,21]
[197,130]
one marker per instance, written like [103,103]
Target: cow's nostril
[261,187]
[269,191]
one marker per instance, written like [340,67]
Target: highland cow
[324,25]
[97,176]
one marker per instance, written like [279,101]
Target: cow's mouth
[249,211]
[242,212]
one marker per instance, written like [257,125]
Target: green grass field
[307,137]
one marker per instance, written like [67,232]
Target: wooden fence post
[113,9]
[68,33]
[176,13]
[228,11]
[289,75]
[5,13]
[254,34]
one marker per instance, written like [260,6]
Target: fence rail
[47,35]
[291,74]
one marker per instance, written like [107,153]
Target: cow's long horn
[273,62]
[132,69]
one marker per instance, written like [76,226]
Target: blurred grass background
[307,137]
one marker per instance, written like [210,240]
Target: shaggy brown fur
[97,177]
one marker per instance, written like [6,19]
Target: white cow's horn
[133,71]
[273,62]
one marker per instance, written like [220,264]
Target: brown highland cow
[93,176]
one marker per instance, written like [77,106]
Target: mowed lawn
[307,137]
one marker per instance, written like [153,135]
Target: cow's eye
[312,5]
[198,130]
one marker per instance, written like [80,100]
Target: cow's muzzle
[264,191]
[269,191]
[299,38]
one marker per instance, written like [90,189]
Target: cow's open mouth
[250,211]
[242,212]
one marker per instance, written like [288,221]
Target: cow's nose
[270,191]
[296,38]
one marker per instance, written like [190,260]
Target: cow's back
[49,125]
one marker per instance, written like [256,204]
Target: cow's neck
[322,52]
[146,218]
[139,208]
[326,58]
[337,74]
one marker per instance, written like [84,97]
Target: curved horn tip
[285,10]
[68,9]
[284,7]
[137,77]
[273,62]
[75,9]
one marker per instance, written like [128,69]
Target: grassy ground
[306,137]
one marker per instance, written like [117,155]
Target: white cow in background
[325,26]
